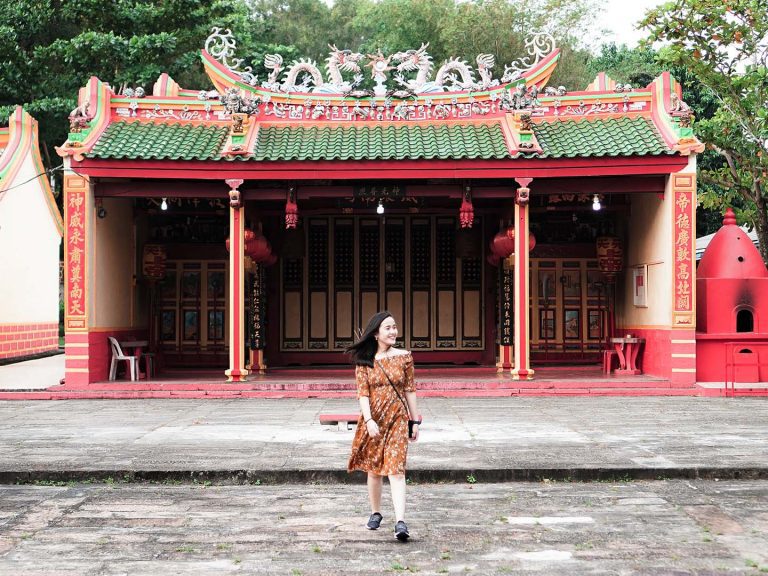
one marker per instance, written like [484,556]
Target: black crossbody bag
[405,405]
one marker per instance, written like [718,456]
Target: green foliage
[639,67]
[453,29]
[48,50]
[722,44]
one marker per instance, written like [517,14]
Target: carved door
[357,265]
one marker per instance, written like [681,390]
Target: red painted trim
[384,169]
[522,265]
[12,148]
[206,189]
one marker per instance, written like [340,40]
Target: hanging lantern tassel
[466,212]
[291,212]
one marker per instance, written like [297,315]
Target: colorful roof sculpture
[20,152]
[297,115]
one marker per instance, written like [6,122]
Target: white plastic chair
[118,356]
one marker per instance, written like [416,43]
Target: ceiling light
[164,205]
[596,202]
[380,208]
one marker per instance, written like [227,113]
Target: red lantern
[291,213]
[610,256]
[258,248]
[153,261]
[503,244]
[248,235]
[466,212]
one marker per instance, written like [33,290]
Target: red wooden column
[681,190]
[78,272]
[522,345]
[237,371]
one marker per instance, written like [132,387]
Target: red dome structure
[731,254]
[731,307]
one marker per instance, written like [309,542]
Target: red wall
[88,354]
[718,300]
[654,357]
[20,340]
[667,353]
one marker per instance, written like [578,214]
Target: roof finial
[729,218]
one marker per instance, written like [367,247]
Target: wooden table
[628,358]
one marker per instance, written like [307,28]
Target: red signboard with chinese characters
[75,256]
[153,261]
[683,194]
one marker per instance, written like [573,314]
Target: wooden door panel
[407,264]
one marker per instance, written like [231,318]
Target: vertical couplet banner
[683,225]
[75,215]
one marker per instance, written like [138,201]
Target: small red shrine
[732,308]
[386,195]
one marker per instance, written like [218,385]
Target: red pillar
[522,369]
[78,272]
[681,192]
[236,371]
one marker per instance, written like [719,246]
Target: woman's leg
[374,491]
[397,486]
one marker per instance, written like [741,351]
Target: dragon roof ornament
[411,70]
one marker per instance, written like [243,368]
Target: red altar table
[628,349]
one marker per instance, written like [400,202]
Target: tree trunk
[761,225]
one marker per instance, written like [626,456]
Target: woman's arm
[413,408]
[370,424]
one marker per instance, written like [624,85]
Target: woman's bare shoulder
[400,352]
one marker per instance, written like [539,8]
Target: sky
[618,18]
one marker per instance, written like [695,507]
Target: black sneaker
[401,531]
[374,521]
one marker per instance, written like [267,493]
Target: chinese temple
[258,223]
[30,240]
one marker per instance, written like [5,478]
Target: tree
[724,45]
[49,49]
[453,29]
[639,67]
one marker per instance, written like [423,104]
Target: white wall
[29,253]
[648,242]
[113,246]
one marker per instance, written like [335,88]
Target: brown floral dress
[385,454]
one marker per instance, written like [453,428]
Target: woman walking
[387,396]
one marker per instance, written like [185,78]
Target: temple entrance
[192,319]
[419,267]
[569,311]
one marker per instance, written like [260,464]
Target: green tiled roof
[448,140]
[150,141]
[606,137]
[381,142]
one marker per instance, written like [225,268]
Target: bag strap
[407,411]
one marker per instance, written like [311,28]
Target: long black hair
[363,351]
